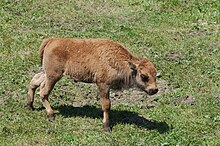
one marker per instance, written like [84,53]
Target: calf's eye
[144,78]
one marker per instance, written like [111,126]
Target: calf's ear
[132,66]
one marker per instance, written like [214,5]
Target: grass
[180,37]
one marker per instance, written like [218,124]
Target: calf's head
[144,75]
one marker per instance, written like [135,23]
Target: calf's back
[86,60]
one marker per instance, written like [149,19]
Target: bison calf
[104,62]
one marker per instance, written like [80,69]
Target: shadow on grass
[116,116]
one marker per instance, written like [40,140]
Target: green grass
[180,37]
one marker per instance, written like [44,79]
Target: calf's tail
[42,47]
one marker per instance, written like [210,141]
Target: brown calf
[104,62]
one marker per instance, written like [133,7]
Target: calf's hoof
[107,129]
[51,117]
[29,106]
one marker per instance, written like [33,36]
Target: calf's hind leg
[36,81]
[45,90]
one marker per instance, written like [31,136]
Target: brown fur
[104,62]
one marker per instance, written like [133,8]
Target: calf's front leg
[106,105]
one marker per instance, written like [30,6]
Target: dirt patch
[184,100]
[175,56]
[136,97]
[131,96]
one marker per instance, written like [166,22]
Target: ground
[130,96]
[180,37]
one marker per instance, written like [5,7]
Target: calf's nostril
[155,90]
